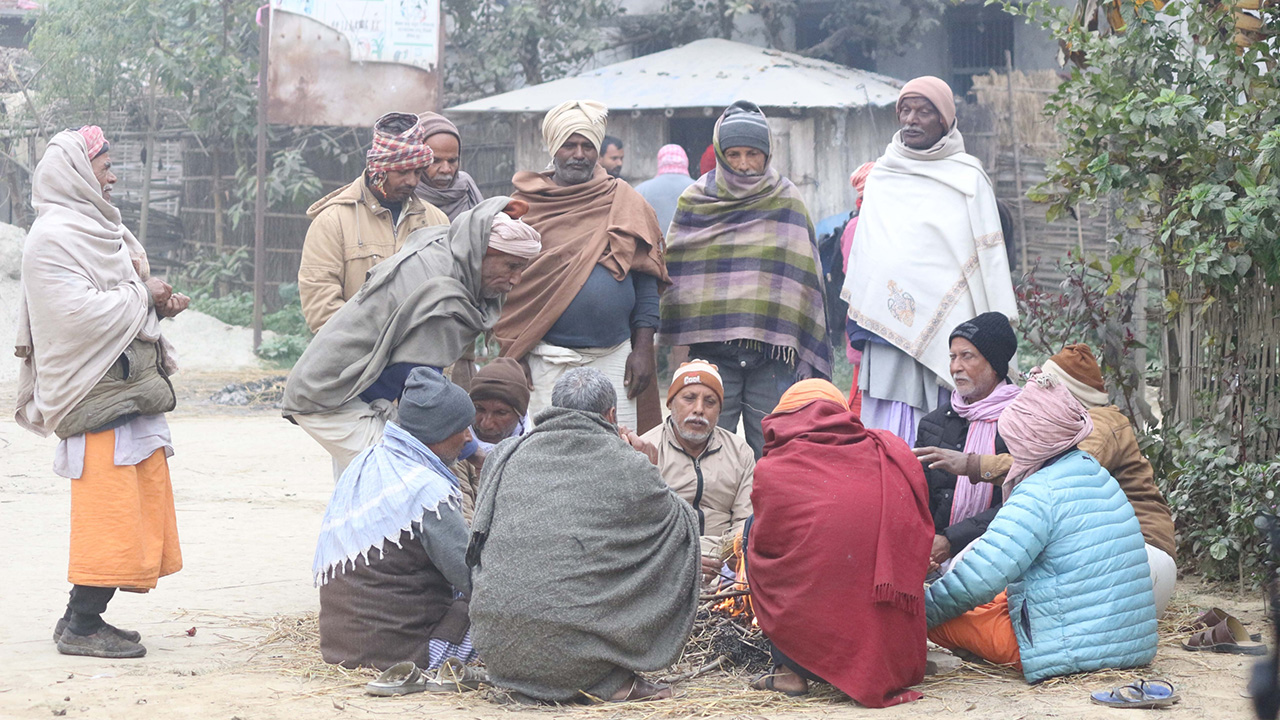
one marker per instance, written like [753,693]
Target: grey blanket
[422,305]
[585,565]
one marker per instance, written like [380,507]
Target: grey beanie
[743,125]
[433,409]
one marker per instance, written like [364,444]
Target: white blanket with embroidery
[928,253]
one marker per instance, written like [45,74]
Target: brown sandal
[1228,636]
[1210,618]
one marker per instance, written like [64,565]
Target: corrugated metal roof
[706,73]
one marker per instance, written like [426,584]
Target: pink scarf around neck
[972,497]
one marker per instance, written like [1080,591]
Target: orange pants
[985,631]
[123,529]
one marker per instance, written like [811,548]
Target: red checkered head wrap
[399,152]
[94,140]
[859,179]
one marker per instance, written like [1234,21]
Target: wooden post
[148,162]
[260,206]
[1017,163]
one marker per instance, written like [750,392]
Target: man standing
[611,156]
[928,254]
[358,226]
[95,371]
[662,191]
[444,184]
[584,564]
[591,299]
[424,306]
[747,290]
[965,459]
[705,464]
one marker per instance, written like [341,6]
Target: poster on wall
[400,31]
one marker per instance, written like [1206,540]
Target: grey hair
[585,389]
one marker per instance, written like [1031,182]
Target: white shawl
[83,302]
[928,253]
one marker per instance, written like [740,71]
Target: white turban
[586,117]
[514,237]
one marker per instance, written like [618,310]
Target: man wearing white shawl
[927,255]
[95,371]
[391,558]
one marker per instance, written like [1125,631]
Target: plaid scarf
[743,261]
[405,151]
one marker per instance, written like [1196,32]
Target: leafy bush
[233,308]
[283,350]
[288,320]
[201,277]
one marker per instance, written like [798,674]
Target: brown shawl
[602,221]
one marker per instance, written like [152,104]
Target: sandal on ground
[1141,695]
[102,644]
[400,679]
[1211,618]
[765,682]
[130,635]
[1228,636]
[456,676]
[644,690]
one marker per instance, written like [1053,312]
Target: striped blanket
[743,261]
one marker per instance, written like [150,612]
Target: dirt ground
[223,635]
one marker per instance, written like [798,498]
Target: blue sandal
[1141,695]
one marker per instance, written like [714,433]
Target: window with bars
[977,38]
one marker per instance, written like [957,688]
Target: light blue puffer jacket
[1068,547]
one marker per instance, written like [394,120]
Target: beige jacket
[1114,445]
[350,233]
[717,483]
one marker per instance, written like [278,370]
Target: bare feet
[782,679]
[639,689]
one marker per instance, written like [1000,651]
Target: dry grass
[1030,91]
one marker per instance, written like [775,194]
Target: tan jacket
[1115,447]
[717,483]
[350,233]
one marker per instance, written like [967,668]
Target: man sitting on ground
[1114,445]
[584,563]
[964,458]
[390,594]
[837,551]
[708,466]
[1066,545]
[500,392]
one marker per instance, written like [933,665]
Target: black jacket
[945,429]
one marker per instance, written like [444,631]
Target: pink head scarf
[936,91]
[1044,421]
[972,497]
[672,160]
[859,179]
[94,140]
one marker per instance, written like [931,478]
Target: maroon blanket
[838,552]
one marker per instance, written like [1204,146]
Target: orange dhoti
[123,529]
[985,631]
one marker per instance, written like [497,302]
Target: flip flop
[1228,636]
[1141,695]
[455,676]
[765,682]
[400,679]
[1212,617]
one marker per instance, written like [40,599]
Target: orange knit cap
[807,391]
[696,372]
[1078,362]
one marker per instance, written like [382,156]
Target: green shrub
[283,350]
[233,308]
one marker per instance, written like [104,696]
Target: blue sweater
[1067,546]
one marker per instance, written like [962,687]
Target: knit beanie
[992,334]
[433,409]
[744,125]
[502,379]
[1076,368]
[696,372]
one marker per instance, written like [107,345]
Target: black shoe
[130,635]
[103,644]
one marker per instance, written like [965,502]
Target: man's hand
[160,292]
[711,568]
[641,445]
[640,363]
[176,303]
[936,458]
[941,549]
